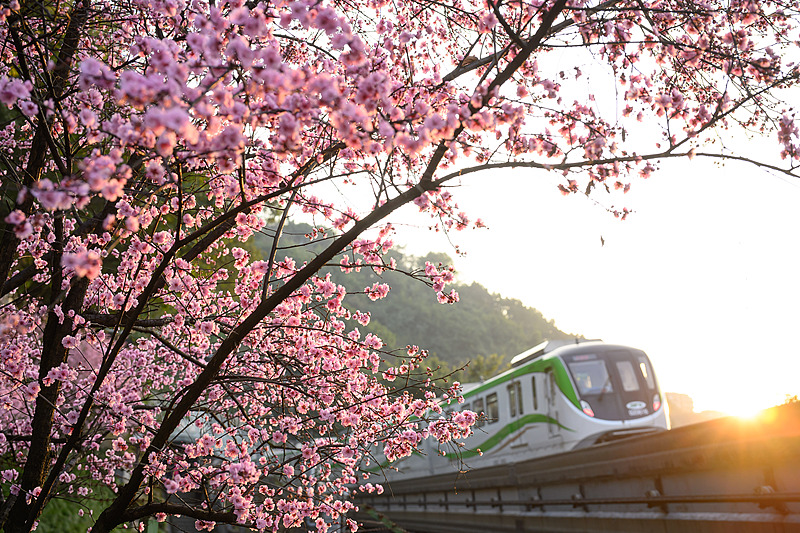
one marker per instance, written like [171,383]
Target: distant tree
[481,368]
[440,371]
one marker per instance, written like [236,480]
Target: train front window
[628,376]
[592,377]
[644,366]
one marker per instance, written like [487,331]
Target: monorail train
[557,396]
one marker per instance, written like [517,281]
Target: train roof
[546,347]
[544,351]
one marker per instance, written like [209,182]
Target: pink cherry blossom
[13,90]
[85,264]
[187,336]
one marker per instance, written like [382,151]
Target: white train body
[555,398]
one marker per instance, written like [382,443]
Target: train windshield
[614,384]
[592,377]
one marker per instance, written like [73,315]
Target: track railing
[722,476]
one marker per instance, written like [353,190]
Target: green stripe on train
[489,443]
[540,366]
[504,432]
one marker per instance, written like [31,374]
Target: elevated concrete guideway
[727,475]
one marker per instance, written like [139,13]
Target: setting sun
[746,411]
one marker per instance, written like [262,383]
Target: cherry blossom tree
[145,142]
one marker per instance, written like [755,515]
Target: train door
[551,394]
[636,384]
[515,403]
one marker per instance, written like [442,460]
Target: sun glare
[750,407]
[748,412]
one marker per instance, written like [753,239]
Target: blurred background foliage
[472,340]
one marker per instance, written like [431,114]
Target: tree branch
[143,511]
[111,320]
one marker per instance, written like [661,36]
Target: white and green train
[557,396]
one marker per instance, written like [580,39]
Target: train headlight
[587,408]
[656,402]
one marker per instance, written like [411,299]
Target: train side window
[492,411]
[477,406]
[535,395]
[515,398]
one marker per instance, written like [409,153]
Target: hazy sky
[704,276]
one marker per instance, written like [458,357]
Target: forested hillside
[479,325]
